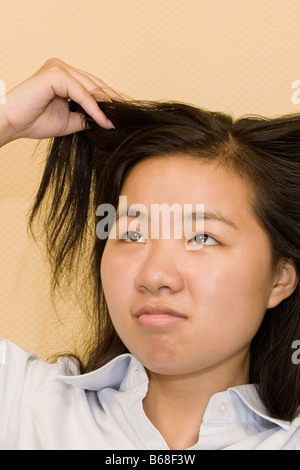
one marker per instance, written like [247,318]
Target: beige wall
[238,56]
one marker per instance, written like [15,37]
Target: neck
[178,402]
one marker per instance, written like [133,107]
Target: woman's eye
[133,236]
[202,239]
[198,239]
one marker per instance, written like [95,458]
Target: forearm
[6,133]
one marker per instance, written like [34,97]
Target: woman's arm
[38,107]
[5,132]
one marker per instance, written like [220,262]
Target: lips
[158,316]
[158,310]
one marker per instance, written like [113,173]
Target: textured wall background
[235,56]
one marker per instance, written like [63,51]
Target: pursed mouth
[159,310]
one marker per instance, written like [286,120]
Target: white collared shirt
[42,407]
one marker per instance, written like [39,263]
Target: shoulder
[16,364]
[22,377]
[295,432]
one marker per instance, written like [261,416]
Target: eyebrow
[191,216]
[210,215]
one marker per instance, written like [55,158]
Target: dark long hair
[88,168]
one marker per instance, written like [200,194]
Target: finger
[80,74]
[93,87]
[72,88]
[99,94]
[75,124]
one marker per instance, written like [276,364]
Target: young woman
[194,338]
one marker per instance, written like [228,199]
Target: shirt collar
[250,396]
[125,372]
[122,372]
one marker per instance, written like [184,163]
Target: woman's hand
[38,107]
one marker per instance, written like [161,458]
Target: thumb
[76,123]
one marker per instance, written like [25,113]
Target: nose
[159,273]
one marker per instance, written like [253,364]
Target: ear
[286,281]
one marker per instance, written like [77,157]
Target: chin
[166,363]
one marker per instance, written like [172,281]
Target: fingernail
[110,124]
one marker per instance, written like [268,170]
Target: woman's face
[221,290]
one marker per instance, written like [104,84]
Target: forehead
[184,179]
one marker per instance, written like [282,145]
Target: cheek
[235,288]
[229,304]
[117,281]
